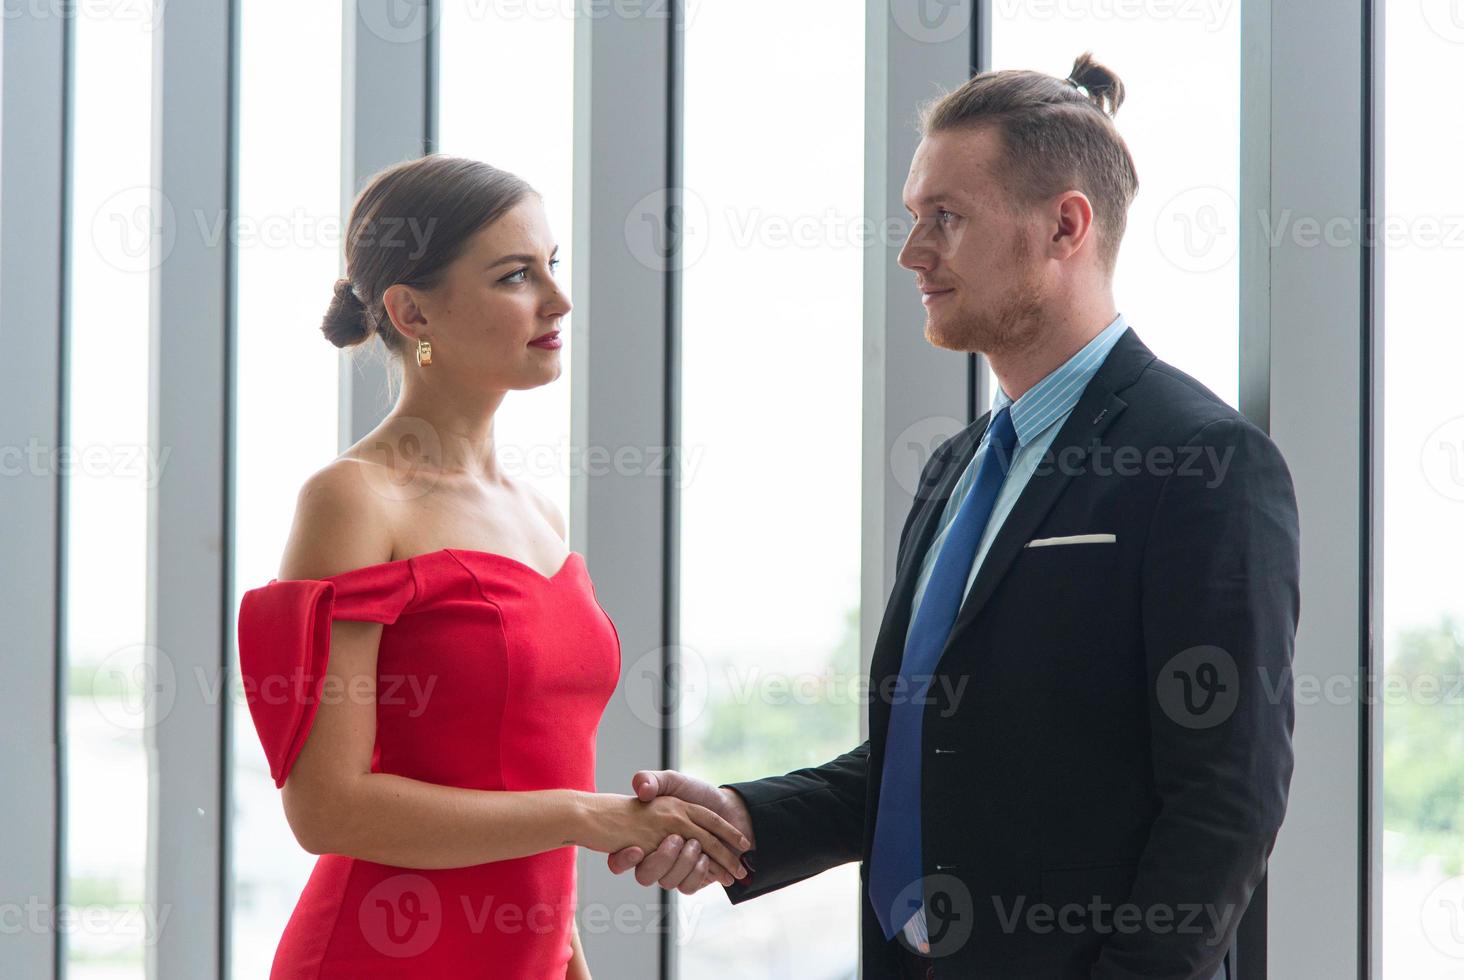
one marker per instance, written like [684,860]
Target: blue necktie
[896,862]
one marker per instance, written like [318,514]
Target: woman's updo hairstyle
[410,223]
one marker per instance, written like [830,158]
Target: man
[1080,722]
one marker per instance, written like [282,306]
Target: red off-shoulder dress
[489,676]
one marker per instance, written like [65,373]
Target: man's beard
[1014,325]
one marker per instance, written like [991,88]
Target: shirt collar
[1055,395]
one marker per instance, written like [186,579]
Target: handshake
[708,827]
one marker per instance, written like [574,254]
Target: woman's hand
[671,865]
[613,822]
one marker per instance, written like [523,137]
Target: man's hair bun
[1101,84]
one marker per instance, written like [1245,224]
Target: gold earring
[424,352]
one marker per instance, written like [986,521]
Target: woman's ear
[405,311]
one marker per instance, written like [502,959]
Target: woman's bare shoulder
[341,523]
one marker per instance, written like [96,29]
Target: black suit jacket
[1107,741]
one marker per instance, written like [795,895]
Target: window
[113,248]
[1422,634]
[506,97]
[288,231]
[771,415]
[1177,280]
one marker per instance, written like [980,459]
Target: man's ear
[1074,223]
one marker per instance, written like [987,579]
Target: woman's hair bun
[346,322]
[1103,87]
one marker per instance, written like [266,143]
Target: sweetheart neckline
[467,551]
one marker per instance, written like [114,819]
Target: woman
[427,672]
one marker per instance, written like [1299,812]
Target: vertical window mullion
[33,243]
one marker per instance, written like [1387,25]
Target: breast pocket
[1078,573]
[1069,605]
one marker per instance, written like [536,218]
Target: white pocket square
[1072,539]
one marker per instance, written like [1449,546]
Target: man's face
[978,260]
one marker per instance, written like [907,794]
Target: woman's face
[494,319]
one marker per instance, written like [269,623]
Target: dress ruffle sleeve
[284,645]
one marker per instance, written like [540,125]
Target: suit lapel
[1071,452]
[889,646]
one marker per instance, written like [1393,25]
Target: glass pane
[1423,497]
[506,91]
[771,386]
[289,248]
[112,250]
[1177,281]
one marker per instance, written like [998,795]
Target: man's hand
[675,864]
